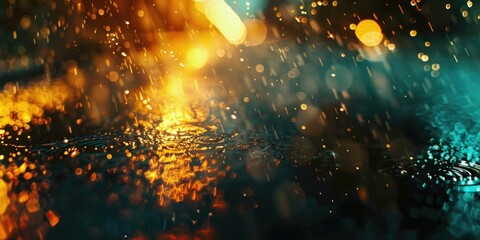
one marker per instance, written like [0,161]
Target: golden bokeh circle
[369,33]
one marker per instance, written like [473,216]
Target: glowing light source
[197,57]
[222,16]
[369,33]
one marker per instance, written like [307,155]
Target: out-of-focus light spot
[113,76]
[289,199]
[78,171]
[222,16]
[197,57]
[25,22]
[369,33]
[27,176]
[259,68]
[435,66]
[339,77]
[20,106]
[293,73]
[256,32]
[301,96]
[304,106]
[246,99]
[448,6]
[377,54]
[353,26]
[427,44]
[53,219]
[351,155]
[141,13]
[221,52]
[425,58]
[310,121]
[101,12]
[413,33]
[32,205]
[175,86]
[4,200]
[391,46]
[23,197]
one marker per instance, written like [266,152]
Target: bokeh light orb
[339,77]
[377,54]
[256,32]
[197,58]
[289,199]
[351,155]
[369,33]
[310,121]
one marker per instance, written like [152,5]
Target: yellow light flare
[369,33]
[197,58]
[175,87]
[222,16]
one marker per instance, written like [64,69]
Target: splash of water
[456,124]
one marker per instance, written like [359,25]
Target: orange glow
[32,205]
[219,204]
[6,226]
[4,200]
[369,33]
[174,175]
[20,106]
[256,32]
[177,119]
[53,219]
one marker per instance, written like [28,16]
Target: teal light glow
[248,8]
[455,122]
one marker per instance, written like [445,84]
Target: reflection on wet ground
[193,181]
[279,120]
